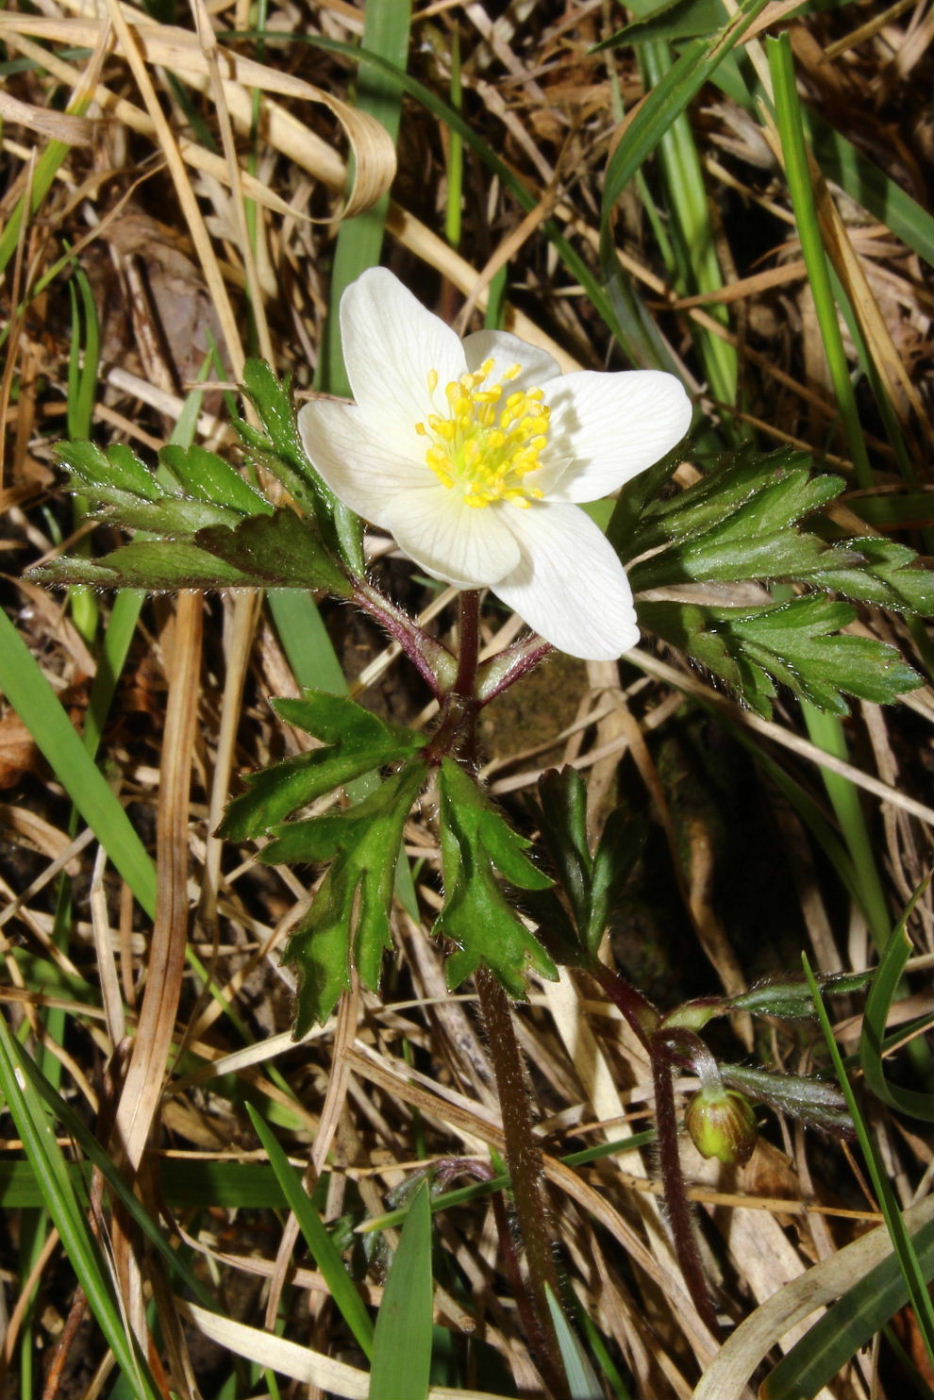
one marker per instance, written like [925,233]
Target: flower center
[489,440]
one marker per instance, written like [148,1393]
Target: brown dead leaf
[18,751]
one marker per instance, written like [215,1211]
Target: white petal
[391,344]
[506,350]
[570,585]
[363,470]
[606,428]
[469,546]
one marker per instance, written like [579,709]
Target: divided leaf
[357,742]
[741,522]
[592,884]
[795,643]
[879,571]
[277,550]
[211,528]
[475,843]
[347,926]
[278,447]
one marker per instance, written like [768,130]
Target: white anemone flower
[475,455]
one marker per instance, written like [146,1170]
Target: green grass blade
[454,156]
[581,1378]
[351,1306]
[308,647]
[115,647]
[828,733]
[78,1174]
[401,1363]
[798,174]
[692,231]
[671,95]
[909,1263]
[870,187]
[35,701]
[850,1324]
[71,1216]
[360,240]
[872,1041]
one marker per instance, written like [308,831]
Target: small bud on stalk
[722,1124]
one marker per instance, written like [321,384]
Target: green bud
[722,1124]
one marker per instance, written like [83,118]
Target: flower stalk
[526,1172]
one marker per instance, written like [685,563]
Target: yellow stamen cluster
[487,444]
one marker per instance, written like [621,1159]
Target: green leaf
[790,996]
[118,469]
[475,842]
[357,741]
[814,1102]
[207,477]
[877,571]
[737,523]
[591,883]
[347,926]
[792,643]
[277,551]
[156,565]
[848,1325]
[885,984]
[402,1341]
[278,447]
[326,1254]
[282,550]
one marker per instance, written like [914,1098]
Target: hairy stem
[434,662]
[676,1197]
[526,1171]
[636,1009]
[469,642]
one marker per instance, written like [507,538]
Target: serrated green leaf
[157,566]
[336,719]
[280,447]
[620,845]
[738,523]
[884,573]
[281,550]
[347,926]
[794,643]
[358,742]
[207,477]
[591,883]
[475,841]
[118,468]
[171,517]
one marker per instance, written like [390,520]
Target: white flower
[473,454]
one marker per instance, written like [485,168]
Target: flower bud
[722,1124]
